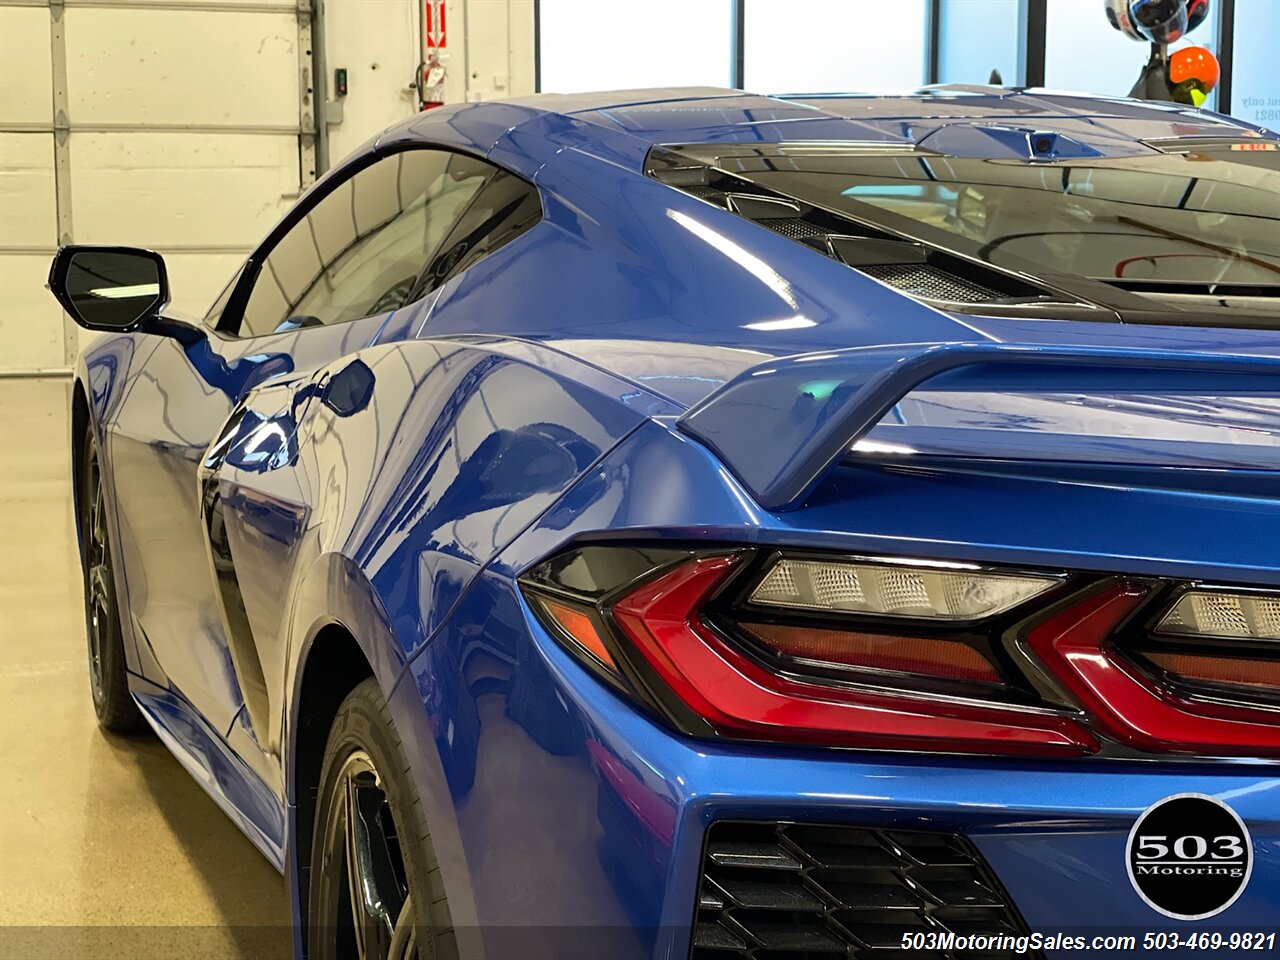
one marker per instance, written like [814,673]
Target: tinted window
[504,209]
[1207,215]
[214,317]
[359,252]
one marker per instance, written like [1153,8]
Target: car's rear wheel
[375,888]
[108,679]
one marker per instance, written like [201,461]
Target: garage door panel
[27,196]
[215,189]
[196,279]
[182,67]
[144,85]
[30,319]
[26,77]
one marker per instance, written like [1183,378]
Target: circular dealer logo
[1189,856]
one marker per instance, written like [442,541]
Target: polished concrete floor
[107,847]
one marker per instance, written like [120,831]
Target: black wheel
[107,679]
[375,888]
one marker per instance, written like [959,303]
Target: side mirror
[109,288]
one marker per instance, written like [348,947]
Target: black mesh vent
[930,283]
[817,892]
[792,228]
[703,193]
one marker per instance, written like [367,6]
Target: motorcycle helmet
[1118,17]
[1197,10]
[1194,65]
[1160,21]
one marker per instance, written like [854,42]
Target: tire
[365,770]
[108,677]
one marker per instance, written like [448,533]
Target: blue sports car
[691,525]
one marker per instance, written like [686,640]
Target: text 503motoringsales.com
[1113,944]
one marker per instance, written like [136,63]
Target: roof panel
[631,118]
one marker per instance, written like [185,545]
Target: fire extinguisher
[430,82]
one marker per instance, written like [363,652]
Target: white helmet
[1118,16]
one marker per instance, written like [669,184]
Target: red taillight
[740,698]
[919,656]
[1127,705]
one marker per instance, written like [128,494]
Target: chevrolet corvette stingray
[690,524]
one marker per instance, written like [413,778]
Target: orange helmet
[1195,64]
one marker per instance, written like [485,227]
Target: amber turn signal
[581,629]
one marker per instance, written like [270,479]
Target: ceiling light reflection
[123,293]
[786,323]
[879,446]
[748,261]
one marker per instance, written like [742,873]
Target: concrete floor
[107,847]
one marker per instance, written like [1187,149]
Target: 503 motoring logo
[1189,856]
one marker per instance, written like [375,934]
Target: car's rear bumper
[571,825]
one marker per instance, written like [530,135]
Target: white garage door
[181,125]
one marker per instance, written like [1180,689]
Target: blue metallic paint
[547,730]
[396,474]
[780,434]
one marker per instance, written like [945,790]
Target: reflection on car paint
[396,473]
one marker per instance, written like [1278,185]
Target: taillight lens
[916,655]
[874,652]
[680,638]
[1076,645]
[1216,613]
[741,698]
[581,628]
[1264,675]
[939,592]
[895,624]
[1218,650]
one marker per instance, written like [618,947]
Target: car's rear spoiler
[781,425]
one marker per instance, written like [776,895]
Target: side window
[214,316]
[361,249]
[505,208]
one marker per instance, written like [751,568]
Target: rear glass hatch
[1174,232]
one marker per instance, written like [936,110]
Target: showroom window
[1083,52]
[589,45]
[819,46]
[360,250]
[1255,86]
[814,46]
[976,37]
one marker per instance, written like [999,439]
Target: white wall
[30,322]
[376,41]
[180,132]
[489,56]
[494,59]
[184,118]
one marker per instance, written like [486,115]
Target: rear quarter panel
[375,494]
[580,820]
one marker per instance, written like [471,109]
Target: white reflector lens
[1201,613]
[899,591]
